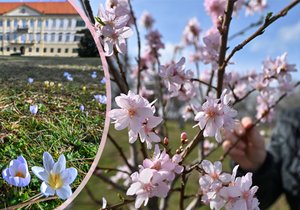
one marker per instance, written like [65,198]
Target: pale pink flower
[175,78]
[207,146]
[191,31]
[147,133]
[114,30]
[147,184]
[154,40]
[215,9]
[255,6]
[133,111]
[163,164]
[210,118]
[210,50]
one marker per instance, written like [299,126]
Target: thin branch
[122,71]
[202,82]
[112,169]
[223,47]
[99,174]
[29,203]
[268,21]
[244,30]
[123,203]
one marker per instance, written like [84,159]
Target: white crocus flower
[55,176]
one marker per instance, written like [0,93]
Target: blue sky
[172,15]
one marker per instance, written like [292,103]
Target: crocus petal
[60,165]
[46,189]
[69,175]
[64,192]
[48,161]
[40,172]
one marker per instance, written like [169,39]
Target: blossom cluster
[154,177]
[113,24]
[224,190]
[215,115]
[137,114]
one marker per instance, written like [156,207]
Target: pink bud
[183,136]
[166,141]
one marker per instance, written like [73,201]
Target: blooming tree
[208,97]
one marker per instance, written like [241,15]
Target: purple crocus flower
[30,80]
[17,173]
[100,98]
[103,80]
[33,109]
[94,75]
[81,108]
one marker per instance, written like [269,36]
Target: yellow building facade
[39,29]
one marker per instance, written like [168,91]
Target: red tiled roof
[49,8]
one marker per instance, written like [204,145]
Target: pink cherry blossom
[215,9]
[147,133]
[147,184]
[133,111]
[255,6]
[191,31]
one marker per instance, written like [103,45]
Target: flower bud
[166,141]
[183,137]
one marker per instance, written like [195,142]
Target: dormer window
[23,10]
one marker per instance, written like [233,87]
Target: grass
[59,127]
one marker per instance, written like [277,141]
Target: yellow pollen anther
[54,180]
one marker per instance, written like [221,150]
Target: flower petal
[48,161]
[69,175]
[60,165]
[46,189]
[40,172]
[64,192]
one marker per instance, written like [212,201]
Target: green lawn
[59,127]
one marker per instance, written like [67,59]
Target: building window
[24,23]
[7,36]
[53,23]
[39,23]
[45,37]
[80,23]
[1,36]
[53,37]
[7,49]
[15,49]
[31,37]
[60,35]
[77,38]
[1,49]
[45,50]
[70,23]
[23,10]
[47,23]
[58,50]
[38,37]
[37,49]
[29,49]
[16,23]
[51,50]
[57,22]
[8,23]
[75,50]
[1,23]
[31,23]
[67,37]
[23,38]
[61,25]
[15,36]
[66,50]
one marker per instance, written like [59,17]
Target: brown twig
[244,30]
[29,203]
[223,47]
[268,21]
